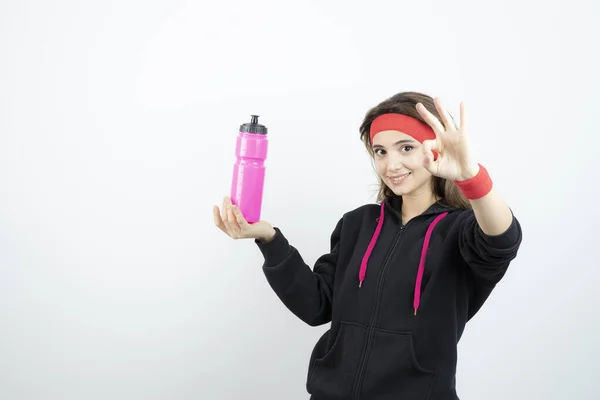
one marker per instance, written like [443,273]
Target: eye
[379,152]
[407,148]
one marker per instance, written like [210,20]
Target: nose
[394,163]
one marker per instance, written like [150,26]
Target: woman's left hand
[454,161]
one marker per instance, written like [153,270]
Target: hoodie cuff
[275,251]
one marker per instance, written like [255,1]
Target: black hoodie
[395,325]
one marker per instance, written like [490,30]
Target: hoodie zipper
[371,330]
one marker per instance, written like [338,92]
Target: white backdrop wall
[117,130]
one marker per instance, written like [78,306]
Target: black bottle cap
[253,126]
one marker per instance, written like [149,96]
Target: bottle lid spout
[253,126]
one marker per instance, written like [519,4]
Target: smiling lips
[397,179]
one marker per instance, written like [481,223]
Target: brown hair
[405,103]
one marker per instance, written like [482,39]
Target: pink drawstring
[417,299]
[363,265]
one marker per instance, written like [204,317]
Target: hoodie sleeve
[305,292]
[488,257]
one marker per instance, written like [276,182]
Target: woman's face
[399,162]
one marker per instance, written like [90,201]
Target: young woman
[403,276]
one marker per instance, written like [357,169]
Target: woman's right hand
[231,221]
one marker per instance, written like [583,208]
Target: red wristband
[476,187]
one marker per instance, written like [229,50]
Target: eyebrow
[397,143]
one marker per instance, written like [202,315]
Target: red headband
[403,123]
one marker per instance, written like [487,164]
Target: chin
[399,190]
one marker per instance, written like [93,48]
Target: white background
[118,122]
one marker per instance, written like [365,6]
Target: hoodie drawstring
[363,265]
[417,299]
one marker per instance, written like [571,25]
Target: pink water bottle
[249,169]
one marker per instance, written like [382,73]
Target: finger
[428,160]
[224,212]
[217,218]
[428,147]
[463,116]
[431,144]
[433,147]
[239,217]
[226,220]
[446,118]
[431,120]
[234,226]
[430,163]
